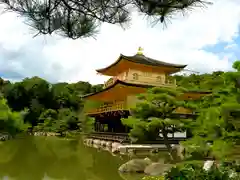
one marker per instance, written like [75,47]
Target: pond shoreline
[45,134]
[5,136]
[42,157]
[142,165]
[138,153]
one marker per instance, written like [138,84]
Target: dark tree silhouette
[81,18]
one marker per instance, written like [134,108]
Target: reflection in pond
[48,158]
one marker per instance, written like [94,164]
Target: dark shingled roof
[138,58]
[141,59]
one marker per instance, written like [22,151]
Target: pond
[51,158]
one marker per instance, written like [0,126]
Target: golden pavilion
[131,75]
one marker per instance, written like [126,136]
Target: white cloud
[181,42]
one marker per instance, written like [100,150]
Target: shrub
[195,171]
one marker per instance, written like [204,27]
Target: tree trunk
[167,144]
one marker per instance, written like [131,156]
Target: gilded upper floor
[140,69]
[140,77]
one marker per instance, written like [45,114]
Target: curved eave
[114,84]
[201,93]
[111,65]
[152,62]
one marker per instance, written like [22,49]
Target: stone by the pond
[115,147]
[178,152]
[5,136]
[156,169]
[135,166]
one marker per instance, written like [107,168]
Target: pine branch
[82,18]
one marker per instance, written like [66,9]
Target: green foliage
[192,171]
[212,135]
[214,81]
[47,120]
[69,118]
[153,178]
[216,130]
[61,121]
[236,65]
[47,107]
[10,122]
[153,114]
[86,123]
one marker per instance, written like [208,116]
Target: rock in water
[148,160]
[134,166]
[156,169]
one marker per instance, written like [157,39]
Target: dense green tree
[49,107]
[58,121]
[70,117]
[216,130]
[3,84]
[214,81]
[47,120]
[27,93]
[63,97]
[86,123]
[96,88]
[10,122]
[153,115]
[75,19]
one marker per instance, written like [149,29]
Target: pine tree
[216,130]
[153,115]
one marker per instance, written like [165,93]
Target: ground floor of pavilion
[108,126]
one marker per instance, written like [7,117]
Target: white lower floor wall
[176,134]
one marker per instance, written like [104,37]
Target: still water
[51,158]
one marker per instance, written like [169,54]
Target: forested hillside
[56,107]
[44,106]
[203,82]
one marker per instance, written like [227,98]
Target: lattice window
[159,79]
[169,80]
[147,74]
[135,76]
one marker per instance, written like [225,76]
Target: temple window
[135,76]
[147,74]
[159,79]
[169,80]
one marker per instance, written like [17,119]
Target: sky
[205,39]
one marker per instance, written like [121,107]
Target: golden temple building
[131,75]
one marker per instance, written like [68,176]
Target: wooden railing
[109,82]
[150,81]
[120,105]
[120,137]
[154,82]
[123,137]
